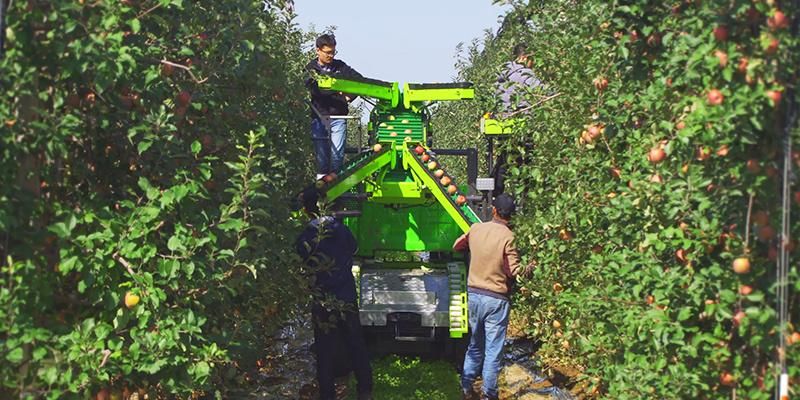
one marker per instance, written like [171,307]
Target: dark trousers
[334,330]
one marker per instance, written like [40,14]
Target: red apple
[777,21]
[600,83]
[656,155]
[742,67]
[419,150]
[741,265]
[452,189]
[445,180]
[680,125]
[772,253]
[721,33]
[432,165]
[439,173]
[680,255]
[753,166]
[460,200]
[766,233]
[761,218]
[425,157]
[794,337]
[771,171]
[727,379]
[703,153]
[183,99]
[738,317]
[775,96]
[377,148]
[103,394]
[90,98]
[772,46]
[615,173]
[797,197]
[745,290]
[714,97]
[594,131]
[656,178]
[722,57]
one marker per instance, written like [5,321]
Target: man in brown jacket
[494,264]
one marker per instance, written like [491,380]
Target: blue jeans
[488,320]
[329,149]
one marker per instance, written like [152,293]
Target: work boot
[470,394]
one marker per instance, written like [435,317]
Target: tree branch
[124,263]
[185,68]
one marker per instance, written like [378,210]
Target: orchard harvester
[402,204]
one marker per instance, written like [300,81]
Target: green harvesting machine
[402,204]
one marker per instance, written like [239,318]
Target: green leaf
[174,243]
[135,25]
[196,147]
[202,369]
[143,146]
[15,356]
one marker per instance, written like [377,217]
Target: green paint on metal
[457,332]
[464,220]
[415,93]
[359,173]
[388,91]
[397,125]
[383,227]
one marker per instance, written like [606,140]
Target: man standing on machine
[328,134]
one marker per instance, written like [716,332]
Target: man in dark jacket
[513,84]
[327,246]
[328,134]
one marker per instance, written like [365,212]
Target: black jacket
[328,102]
[327,246]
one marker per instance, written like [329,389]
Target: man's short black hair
[309,198]
[520,50]
[504,205]
[327,39]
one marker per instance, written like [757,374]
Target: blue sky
[401,41]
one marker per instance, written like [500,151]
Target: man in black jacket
[327,247]
[328,134]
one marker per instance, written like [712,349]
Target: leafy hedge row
[148,152]
[664,138]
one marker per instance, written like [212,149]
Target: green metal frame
[390,93]
[462,215]
[444,94]
[463,328]
[347,182]
[403,210]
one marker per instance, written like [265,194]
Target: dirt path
[288,373]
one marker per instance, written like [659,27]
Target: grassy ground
[406,378]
